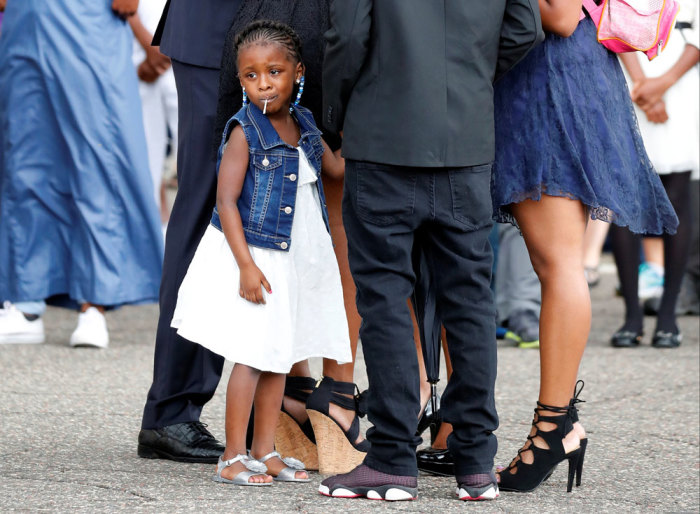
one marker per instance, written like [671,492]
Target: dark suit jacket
[193,31]
[410,81]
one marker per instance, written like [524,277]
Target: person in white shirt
[158,94]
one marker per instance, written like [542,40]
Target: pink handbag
[633,25]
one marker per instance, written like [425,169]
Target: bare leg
[240,392]
[268,400]
[86,306]
[593,242]
[654,250]
[554,229]
[333,190]
[445,430]
[424,385]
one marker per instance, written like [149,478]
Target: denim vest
[267,200]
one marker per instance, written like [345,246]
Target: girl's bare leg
[654,250]
[554,228]
[268,400]
[240,393]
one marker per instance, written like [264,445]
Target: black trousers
[185,374]
[386,211]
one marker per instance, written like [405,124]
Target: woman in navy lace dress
[568,148]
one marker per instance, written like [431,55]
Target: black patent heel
[522,477]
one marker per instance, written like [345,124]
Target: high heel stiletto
[522,477]
[294,439]
[573,414]
[338,451]
[430,419]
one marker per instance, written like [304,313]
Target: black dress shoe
[184,442]
[666,340]
[436,462]
[626,339]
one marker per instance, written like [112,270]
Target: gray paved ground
[69,421]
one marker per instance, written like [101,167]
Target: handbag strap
[594,11]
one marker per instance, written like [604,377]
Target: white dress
[673,146]
[304,315]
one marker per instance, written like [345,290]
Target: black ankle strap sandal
[338,451]
[330,391]
[300,388]
[522,477]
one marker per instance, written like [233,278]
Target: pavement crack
[29,478]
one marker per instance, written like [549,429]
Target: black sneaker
[524,329]
[467,493]
[365,482]
[478,487]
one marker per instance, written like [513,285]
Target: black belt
[684,25]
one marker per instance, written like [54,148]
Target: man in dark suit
[409,82]
[185,374]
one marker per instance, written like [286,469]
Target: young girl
[576,153]
[263,288]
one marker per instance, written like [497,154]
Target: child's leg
[268,400]
[240,392]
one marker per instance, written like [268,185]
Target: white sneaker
[91,330]
[16,329]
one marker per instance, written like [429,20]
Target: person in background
[78,225]
[518,296]
[158,96]
[666,94]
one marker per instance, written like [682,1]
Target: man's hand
[3,3]
[158,61]
[125,8]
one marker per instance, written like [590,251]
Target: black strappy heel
[522,477]
[294,439]
[573,414]
[338,451]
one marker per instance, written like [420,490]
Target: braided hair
[268,31]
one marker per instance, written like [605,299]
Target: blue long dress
[77,215]
[565,126]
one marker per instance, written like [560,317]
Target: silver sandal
[287,474]
[255,468]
